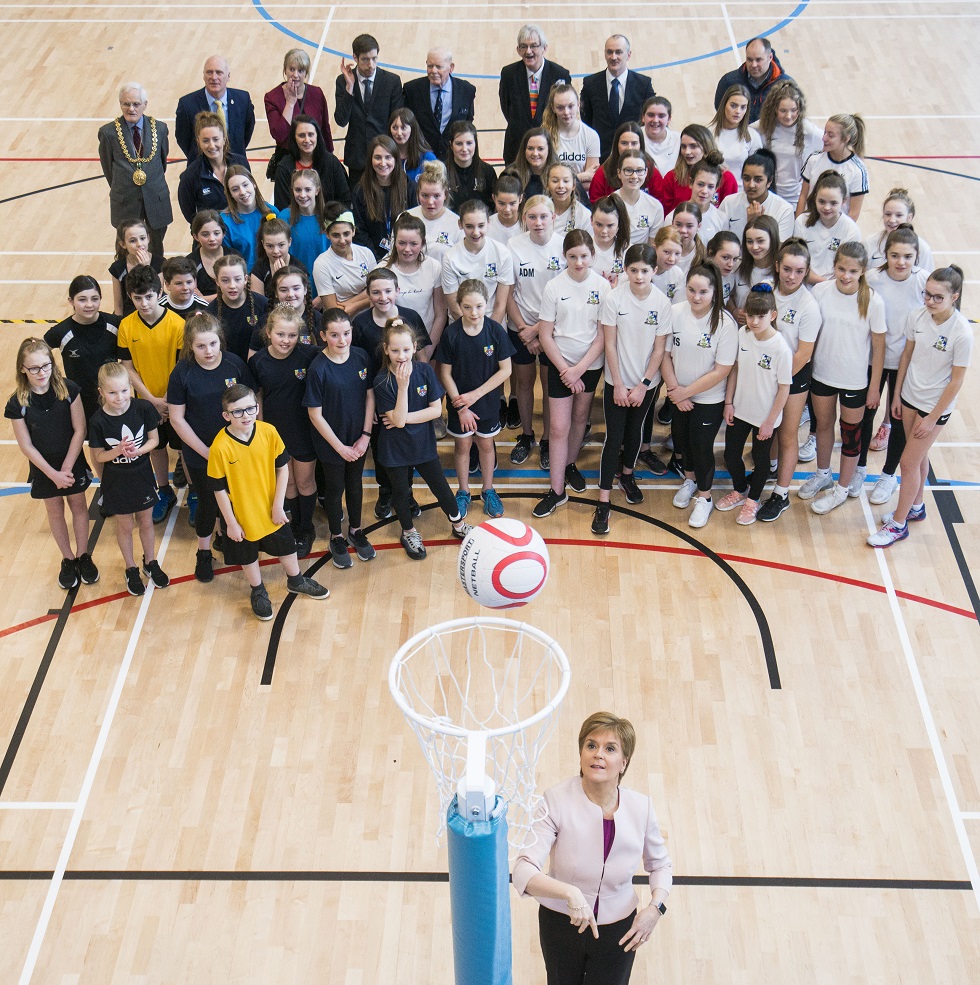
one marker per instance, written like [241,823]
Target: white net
[490,676]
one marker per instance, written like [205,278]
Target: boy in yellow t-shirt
[247,469]
[148,343]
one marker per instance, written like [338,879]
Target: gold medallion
[139,177]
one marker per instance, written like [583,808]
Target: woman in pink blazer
[595,833]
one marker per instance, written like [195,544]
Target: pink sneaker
[747,514]
[880,441]
[733,500]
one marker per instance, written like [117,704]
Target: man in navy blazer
[614,96]
[422,96]
[235,105]
[515,86]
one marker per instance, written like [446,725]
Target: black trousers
[624,429]
[736,435]
[339,479]
[380,472]
[571,958]
[401,490]
[896,438]
[207,505]
[694,433]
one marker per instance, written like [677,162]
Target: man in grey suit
[133,150]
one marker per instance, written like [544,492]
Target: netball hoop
[482,697]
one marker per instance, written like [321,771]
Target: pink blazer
[571,834]
[314,104]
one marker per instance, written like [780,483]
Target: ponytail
[713,275]
[856,251]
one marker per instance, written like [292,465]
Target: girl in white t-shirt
[939,343]
[798,321]
[790,136]
[442,230]
[660,142]
[686,222]
[538,258]
[636,320]
[757,197]
[340,274]
[824,226]
[575,143]
[724,250]
[760,244]
[611,236]
[668,276]
[645,212]
[559,186]
[730,125]
[505,223]
[700,355]
[898,208]
[571,337]
[852,338]
[419,275]
[901,284]
[843,145]
[755,396]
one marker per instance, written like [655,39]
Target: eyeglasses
[132,105]
[630,172]
[934,298]
[38,370]
[523,48]
[239,412]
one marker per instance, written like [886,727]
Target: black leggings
[380,472]
[207,505]
[571,958]
[648,420]
[694,434]
[342,478]
[896,437]
[624,429]
[401,490]
[736,435]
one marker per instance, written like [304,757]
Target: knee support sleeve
[850,439]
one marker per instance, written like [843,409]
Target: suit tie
[368,94]
[438,110]
[533,89]
[614,99]
[220,111]
[137,140]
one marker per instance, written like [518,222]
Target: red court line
[560,542]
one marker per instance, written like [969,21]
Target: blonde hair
[605,721]
[57,382]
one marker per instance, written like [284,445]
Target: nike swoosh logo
[743,350]
[565,299]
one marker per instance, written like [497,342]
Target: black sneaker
[261,603]
[574,478]
[412,542]
[134,584]
[513,415]
[302,585]
[627,482]
[338,553]
[361,545]
[382,509]
[600,520]
[550,503]
[179,479]
[676,466]
[460,530]
[651,461]
[155,573]
[772,508]
[68,576]
[304,544]
[545,454]
[204,566]
[666,412]
[522,450]
[475,458]
[503,412]
[218,543]
[87,570]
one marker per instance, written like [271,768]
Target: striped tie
[220,110]
[534,96]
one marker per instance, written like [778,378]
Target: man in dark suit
[517,82]
[364,98]
[614,96]
[234,106]
[133,152]
[439,99]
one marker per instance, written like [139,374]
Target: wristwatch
[661,907]
[647,383]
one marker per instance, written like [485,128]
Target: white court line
[64,253]
[926,712]
[970,815]
[38,805]
[93,767]
[323,38]
[928,4]
[731,34]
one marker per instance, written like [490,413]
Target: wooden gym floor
[187,795]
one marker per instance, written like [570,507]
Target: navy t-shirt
[474,359]
[283,386]
[48,421]
[306,337]
[340,391]
[413,444]
[235,322]
[84,348]
[199,390]
[366,335]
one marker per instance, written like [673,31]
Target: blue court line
[785,22]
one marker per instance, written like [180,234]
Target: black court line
[949,512]
[20,729]
[52,188]
[765,634]
[324,876]
[923,167]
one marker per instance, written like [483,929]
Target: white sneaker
[805,416]
[683,496]
[884,489]
[815,484]
[808,450]
[830,500]
[856,484]
[701,512]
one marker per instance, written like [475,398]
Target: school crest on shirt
[672,290]
[363,268]
[834,244]
[491,270]
[443,238]
[643,222]
[422,390]
[652,318]
[230,381]
[790,316]
[617,267]
[554,263]
[300,374]
[593,297]
[362,373]
[705,341]
[765,362]
[488,350]
[726,292]
[940,344]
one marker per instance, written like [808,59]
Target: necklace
[139,175]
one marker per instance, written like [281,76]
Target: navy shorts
[279,543]
[848,398]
